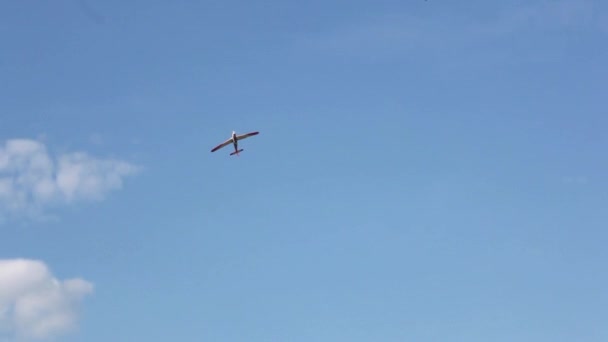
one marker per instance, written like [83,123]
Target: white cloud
[36,305]
[550,15]
[578,180]
[31,179]
[399,34]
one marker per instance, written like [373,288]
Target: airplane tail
[236,152]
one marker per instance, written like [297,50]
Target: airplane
[234,139]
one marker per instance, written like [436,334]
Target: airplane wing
[225,143]
[246,135]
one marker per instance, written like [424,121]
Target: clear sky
[425,170]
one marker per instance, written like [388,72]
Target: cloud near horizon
[36,305]
[31,179]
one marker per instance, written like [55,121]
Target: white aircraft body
[234,140]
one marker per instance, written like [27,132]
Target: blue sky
[425,171]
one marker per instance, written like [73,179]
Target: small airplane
[234,139]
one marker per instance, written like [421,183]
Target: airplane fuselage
[235,141]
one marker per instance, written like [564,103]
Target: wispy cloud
[31,179]
[36,305]
[578,180]
[403,33]
[549,15]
